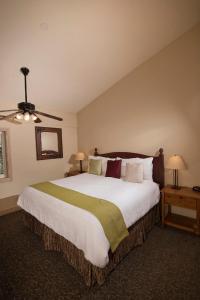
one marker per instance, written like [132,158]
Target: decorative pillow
[94,166]
[113,168]
[104,162]
[134,172]
[124,162]
[147,166]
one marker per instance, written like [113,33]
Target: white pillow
[134,172]
[93,157]
[147,166]
[104,161]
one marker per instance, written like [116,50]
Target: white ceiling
[77,49]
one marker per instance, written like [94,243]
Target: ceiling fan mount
[24,71]
[26,107]
[26,110]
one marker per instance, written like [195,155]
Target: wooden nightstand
[72,173]
[186,198]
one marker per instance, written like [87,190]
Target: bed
[78,234]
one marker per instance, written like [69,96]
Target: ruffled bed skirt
[75,257]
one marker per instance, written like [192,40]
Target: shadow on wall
[73,163]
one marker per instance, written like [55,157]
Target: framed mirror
[48,143]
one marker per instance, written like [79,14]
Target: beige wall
[25,168]
[157,105]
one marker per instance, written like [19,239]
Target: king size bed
[78,233]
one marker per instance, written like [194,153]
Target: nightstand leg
[163,208]
[198,218]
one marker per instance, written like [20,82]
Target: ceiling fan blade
[38,120]
[8,110]
[48,116]
[8,116]
[13,121]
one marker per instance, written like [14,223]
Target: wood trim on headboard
[158,163]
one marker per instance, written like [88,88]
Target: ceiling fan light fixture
[26,116]
[33,117]
[19,116]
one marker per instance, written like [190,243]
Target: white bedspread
[81,227]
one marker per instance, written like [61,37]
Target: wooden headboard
[158,163]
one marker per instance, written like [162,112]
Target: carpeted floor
[167,266]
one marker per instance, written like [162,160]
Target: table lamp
[80,156]
[175,162]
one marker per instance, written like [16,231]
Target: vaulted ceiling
[77,49]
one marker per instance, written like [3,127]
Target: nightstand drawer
[180,201]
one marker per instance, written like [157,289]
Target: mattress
[78,225]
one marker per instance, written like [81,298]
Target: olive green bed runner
[108,214]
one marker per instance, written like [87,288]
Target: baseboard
[8,205]
[9,211]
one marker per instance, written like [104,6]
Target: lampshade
[80,156]
[175,162]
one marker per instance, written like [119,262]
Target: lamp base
[175,185]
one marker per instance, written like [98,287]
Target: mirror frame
[50,154]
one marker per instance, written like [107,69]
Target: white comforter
[81,227]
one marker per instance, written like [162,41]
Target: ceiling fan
[26,110]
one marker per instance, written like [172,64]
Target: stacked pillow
[103,160]
[130,169]
[113,168]
[94,166]
[134,172]
[147,166]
